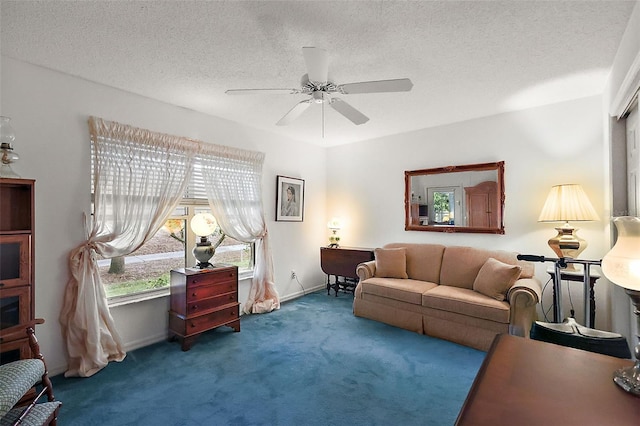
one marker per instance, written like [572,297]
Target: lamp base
[567,244]
[629,378]
[203,251]
[7,172]
[334,239]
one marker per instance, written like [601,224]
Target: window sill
[245,275]
[137,297]
[155,294]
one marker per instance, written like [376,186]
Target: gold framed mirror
[468,198]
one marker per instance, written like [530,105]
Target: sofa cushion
[391,263]
[17,378]
[466,301]
[460,265]
[405,290]
[423,260]
[496,278]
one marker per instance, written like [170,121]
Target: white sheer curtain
[233,181]
[139,178]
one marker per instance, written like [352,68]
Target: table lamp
[566,203]
[621,266]
[7,155]
[203,225]
[335,225]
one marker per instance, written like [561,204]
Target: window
[146,272]
[128,156]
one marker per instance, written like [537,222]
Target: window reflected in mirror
[444,205]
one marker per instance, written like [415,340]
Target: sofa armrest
[523,297]
[366,270]
[528,289]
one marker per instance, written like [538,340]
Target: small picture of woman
[290,206]
[289,199]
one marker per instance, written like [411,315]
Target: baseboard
[301,293]
[56,370]
[131,346]
[148,340]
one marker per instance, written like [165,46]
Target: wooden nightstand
[202,299]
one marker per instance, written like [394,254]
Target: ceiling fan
[316,84]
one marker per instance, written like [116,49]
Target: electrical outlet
[293,275]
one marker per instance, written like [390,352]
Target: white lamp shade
[567,202]
[334,223]
[621,265]
[203,224]
[7,135]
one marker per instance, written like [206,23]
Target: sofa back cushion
[460,265]
[423,260]
[391,263]
[496,278]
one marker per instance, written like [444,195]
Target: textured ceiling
[466,59]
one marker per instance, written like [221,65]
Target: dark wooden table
[341,262]
[528,382]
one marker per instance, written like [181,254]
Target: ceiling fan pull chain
[323,120]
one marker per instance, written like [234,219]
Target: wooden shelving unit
[17,269]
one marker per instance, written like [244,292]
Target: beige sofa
[462,294]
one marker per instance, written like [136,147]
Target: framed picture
[289,199]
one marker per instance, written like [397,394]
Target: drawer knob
[194,307]
[192,325]
[193,294]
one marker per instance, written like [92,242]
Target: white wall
[541,147]
[49,113]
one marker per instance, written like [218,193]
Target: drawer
[196,293]
[203,305]
[211,320]
[212,277]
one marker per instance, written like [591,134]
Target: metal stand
[566,331]
[560,264]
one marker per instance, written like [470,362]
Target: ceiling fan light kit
[321,91]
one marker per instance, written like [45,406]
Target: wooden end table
[528,382]
[342,262]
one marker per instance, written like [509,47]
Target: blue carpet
[310,363]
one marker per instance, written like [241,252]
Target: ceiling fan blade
[317,61]
[397,85]
[348,111]
[294,113]
[262,91]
